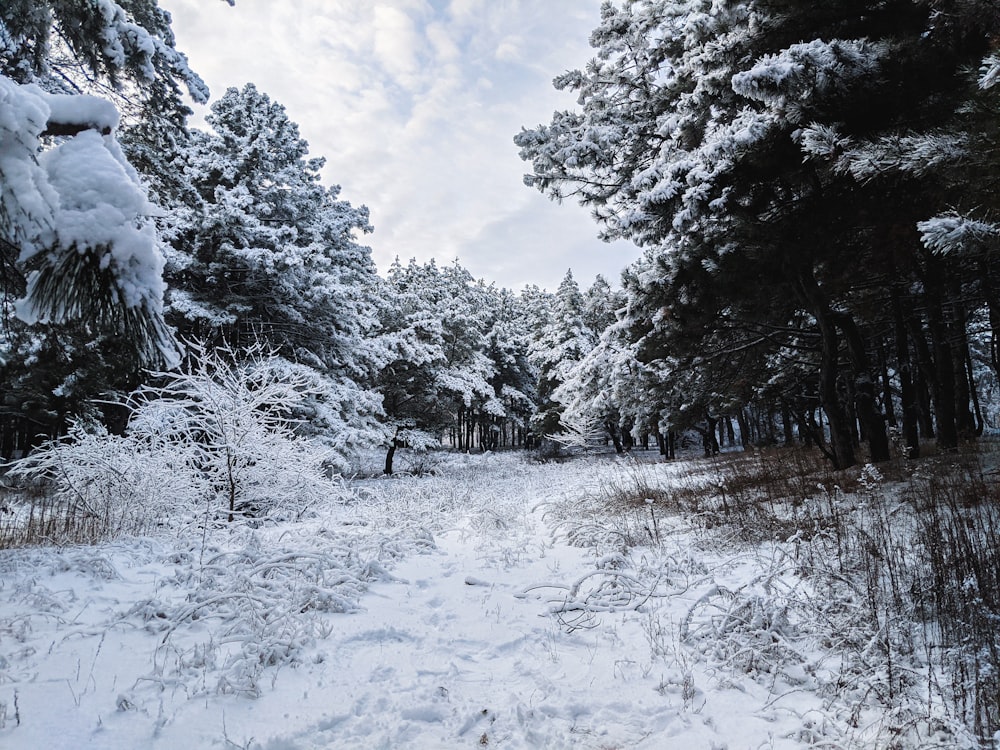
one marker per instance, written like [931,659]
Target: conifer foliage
[781,164]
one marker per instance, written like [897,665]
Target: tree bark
[390,455]
[908,393]
[965,420]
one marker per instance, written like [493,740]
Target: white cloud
[415,106]
[397,43]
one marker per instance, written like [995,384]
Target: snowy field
[501,604]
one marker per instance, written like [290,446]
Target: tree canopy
[781,163]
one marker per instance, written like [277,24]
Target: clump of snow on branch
[91,112]
[28,202]
[103,210]
[917,155]
[78,203]
[793,79]
[989,71]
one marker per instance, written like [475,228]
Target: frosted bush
[109,484]
[209,444]
[233,412]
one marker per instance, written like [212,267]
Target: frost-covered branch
[79,218]
[952,233]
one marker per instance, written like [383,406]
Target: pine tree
[745,145]
[562,341]
[264,253]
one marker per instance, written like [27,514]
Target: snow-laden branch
[77,215]
[952,233]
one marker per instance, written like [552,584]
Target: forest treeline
[813,186]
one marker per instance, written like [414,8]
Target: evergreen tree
[562,341]
[740,144]
[265,253]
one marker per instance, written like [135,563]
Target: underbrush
[215,443]
[235,603]
[881,593]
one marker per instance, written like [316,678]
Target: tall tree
[263,252]
[709,135]
[562,341]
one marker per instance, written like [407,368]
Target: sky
[414,104]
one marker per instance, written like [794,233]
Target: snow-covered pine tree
[266,253]
[561,342]
[593,392]
[701,137]
[514,380]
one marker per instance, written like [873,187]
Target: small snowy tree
[214,440]
[563,341]
[234,414]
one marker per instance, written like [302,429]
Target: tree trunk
[980,423]
[944,367]
[883,368]
[615,438]
[873,424]
[965,421]
[908,393]
[923,375]
[390,455]
[787,427]
[841,444]
[741,420]
[709,440]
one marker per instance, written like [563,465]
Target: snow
[81,109]
[952,232]
[477,608]
[79,196]
[103,206]
[26,198]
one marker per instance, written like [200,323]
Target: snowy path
[451,654]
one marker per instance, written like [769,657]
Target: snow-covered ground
[448,611]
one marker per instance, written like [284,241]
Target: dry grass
[31,515]
[911,549]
